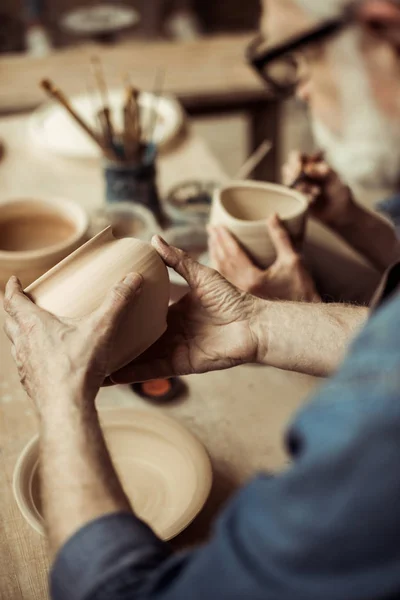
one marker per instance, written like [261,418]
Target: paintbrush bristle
[47,85]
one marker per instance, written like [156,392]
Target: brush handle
[61,99]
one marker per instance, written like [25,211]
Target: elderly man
[328,527]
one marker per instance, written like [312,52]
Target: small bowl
[35,234]
[128,219]
[243,207]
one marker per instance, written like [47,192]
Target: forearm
[78,480]
[369,234]
[307,338]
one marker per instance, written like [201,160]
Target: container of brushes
[134,180]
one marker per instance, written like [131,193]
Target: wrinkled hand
[209,329]
[286,279]
[57,357]
[331,201]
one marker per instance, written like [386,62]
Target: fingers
[15,301]
[317,170]
[181,262]
[117,300]
[281,240]
[136,373]
[312,166]
[221,237]
[312,192]
[10,329]
[293,167]
[376,11]
[227,255]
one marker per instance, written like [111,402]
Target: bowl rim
[22,502]
[259,185]
[67,208]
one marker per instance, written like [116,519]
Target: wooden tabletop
[211,70]
[239,415]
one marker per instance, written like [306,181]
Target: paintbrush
[104,114]
[132,128]
[153,117]
[251,163]
[57,94]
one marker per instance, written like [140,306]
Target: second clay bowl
[78,284]
[244,206]
[35,234]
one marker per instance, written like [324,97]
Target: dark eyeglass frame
[320,33]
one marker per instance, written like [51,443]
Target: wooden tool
[246,170]
[104,114]
[153,118]
[57,95]
[132,128]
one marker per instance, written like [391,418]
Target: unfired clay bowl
[78,284]
[243,207]
[36,234]
[165,471]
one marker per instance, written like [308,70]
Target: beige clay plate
[165,471]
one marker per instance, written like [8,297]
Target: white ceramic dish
[165,470]
[52,129]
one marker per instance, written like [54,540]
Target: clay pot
[36,234]
[164,470]
[243,207]
[78,284]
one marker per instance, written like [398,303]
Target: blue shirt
[328,528]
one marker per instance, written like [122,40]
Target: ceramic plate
[165,470]
[52,128]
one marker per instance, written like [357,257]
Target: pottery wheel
[164,469]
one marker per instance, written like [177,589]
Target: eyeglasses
[278,65]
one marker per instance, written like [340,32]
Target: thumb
[119,297]
[281,240]
[181,262]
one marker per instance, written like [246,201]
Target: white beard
[367,152]
[371,160]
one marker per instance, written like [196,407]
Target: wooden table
[209,76]
[239,415]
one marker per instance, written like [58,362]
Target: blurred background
[40,27]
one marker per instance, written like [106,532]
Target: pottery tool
[104,114]
[251,163]
[132,129]
[57,95]
[153,116]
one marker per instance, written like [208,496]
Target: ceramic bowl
[78,284]
[243,207]
[165,471]
[36,234]
[128,218]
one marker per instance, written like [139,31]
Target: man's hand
[210,329]
[286,279]
[331,201]
[64,356]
